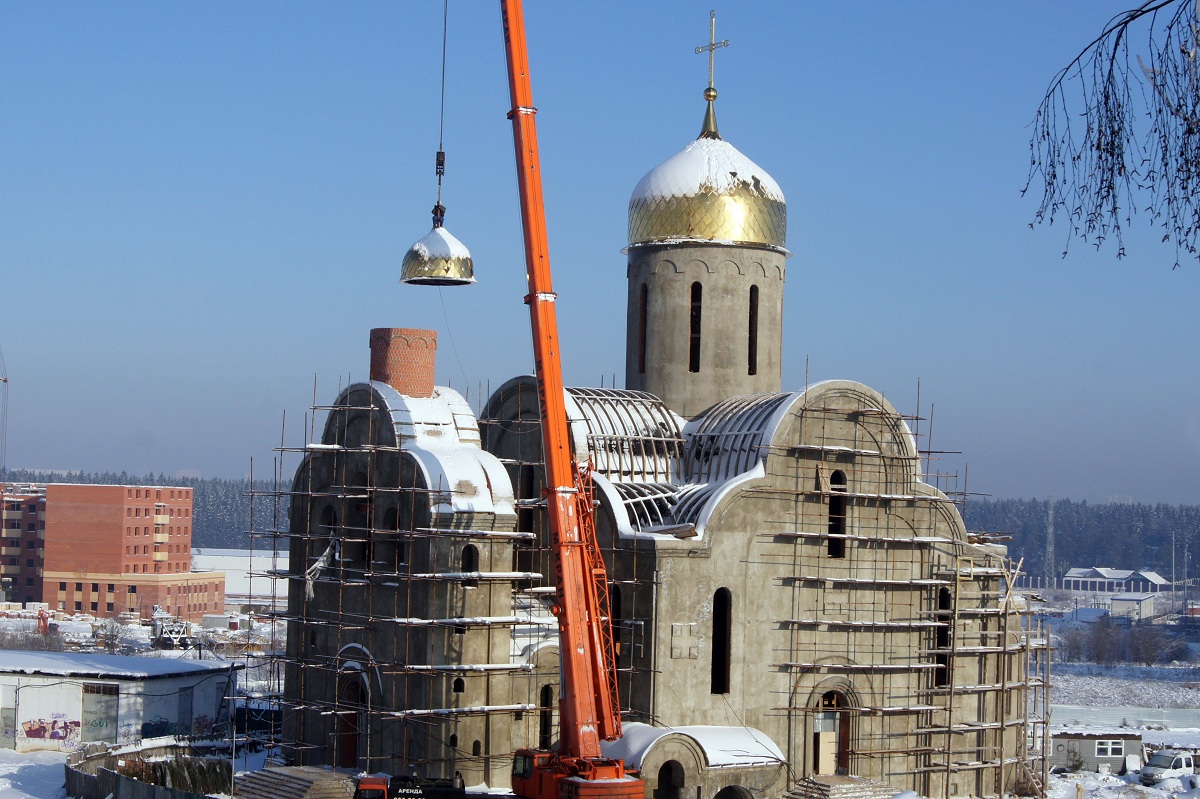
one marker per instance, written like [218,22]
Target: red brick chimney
[403,357]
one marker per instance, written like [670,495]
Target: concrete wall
[726,274]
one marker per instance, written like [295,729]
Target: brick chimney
[403,357]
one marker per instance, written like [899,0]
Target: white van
[1167,763]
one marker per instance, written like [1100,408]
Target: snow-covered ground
[34,775]
[1112,686]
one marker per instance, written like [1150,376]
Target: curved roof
[661,479]
[630,435]
[442,435]
[708,192]
[722,746]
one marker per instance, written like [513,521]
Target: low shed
[1091,751]
[1134,606]
[63,700]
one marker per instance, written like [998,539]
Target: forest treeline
[220,507]
[1120,536]
[1115,535]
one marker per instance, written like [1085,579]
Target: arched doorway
[670,781]
[733,792]
[831,735]
[351,700]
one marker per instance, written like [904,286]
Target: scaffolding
[424,634]
[927,613]
[406,617]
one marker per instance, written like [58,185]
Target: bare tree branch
[1110,138]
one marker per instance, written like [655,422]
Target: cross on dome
[712,45]
[709,128]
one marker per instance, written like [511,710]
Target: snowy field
[1112,686]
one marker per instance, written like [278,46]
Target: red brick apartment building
[106,549]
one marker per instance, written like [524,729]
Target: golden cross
[712,45]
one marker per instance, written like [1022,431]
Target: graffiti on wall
[202,725]
[158,727]
[60,733]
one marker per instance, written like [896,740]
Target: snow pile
[1111,786]
[708,166]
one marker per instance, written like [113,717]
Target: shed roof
[75,664]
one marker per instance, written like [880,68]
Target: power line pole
[1048,571]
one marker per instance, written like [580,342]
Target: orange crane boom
[588,707]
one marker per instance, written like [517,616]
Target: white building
[249,584]
[64,700]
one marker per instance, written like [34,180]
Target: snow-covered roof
[442,435]
[711,166]
[722,746]
[74,664]
[1123,575]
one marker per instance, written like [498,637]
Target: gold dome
[439,259]
[708,192]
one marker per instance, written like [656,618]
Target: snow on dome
[440,244]
[708,192]
[438,259]
[713,166]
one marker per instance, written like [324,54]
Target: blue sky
[205,205]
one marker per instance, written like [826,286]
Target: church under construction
[796,605]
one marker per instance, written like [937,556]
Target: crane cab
[544,775]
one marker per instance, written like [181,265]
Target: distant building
[1132,606]
[1092,751]
[104,549]
[24,518]
[1098,578]
[62,701]
[250,586]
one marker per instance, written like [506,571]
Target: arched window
[722,633]
[546,717]
[453,741]
[752,334]
[459,685]
[477,748]
[470,563]
[643,302]
[614,616]
[694,337]
[837,515]
[328,520]
[941,642]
